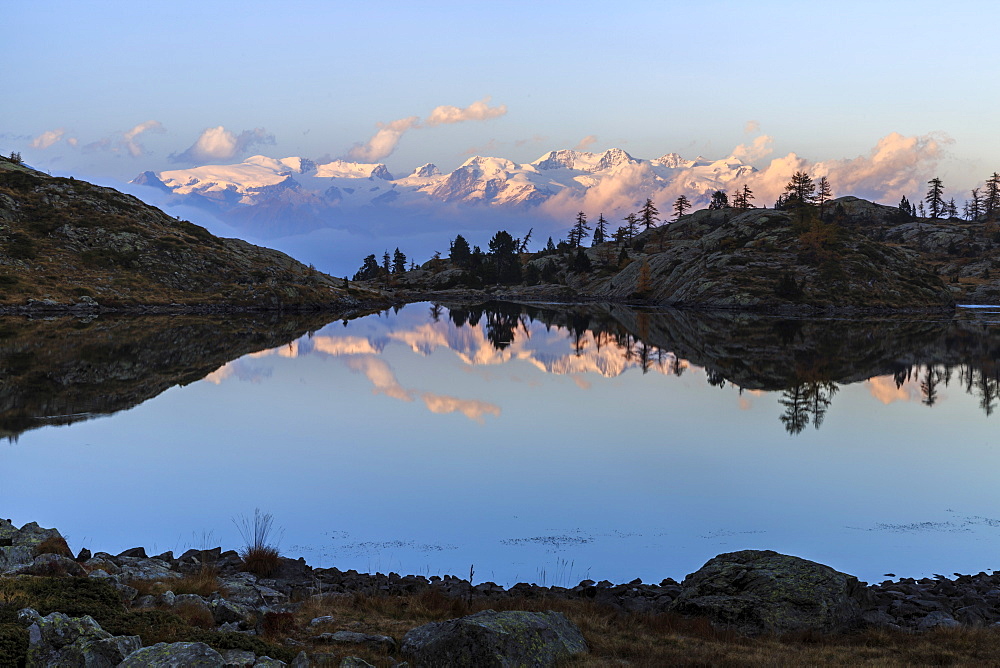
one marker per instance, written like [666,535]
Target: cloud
[47,138]
[218,143]
[884,389]
[385,140]
[381,376]
[536,139]
[755,150]
[751,127]
[130,138]
[477,111]
[470,408]
[585,143]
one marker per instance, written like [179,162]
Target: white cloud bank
[218,143]
[385,140]
[47,139]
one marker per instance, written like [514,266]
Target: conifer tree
[991,202]
[934,199]
[743,198]
[631,226]
[719,200]
[385,262]
[975,205]
[681,205]
[398,262]
[600,230]
[800,190]
[459,252]
[649,214]
[579,231]
[823,192]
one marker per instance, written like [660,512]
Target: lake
[538,443]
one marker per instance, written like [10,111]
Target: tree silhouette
[934,199]
[459,252]
[600,230]
[398,262]
[796,403]
[719,200]
[681,205]
[579,231]
[369,270]
[649,214]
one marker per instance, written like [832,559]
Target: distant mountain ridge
[297,186]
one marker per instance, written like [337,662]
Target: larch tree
[934,198]
[579,231]
[991,202]
[823,192]
[681,205]
[600,230]
[648,214]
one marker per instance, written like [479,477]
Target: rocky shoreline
[750,592]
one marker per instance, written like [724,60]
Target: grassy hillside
[65,241]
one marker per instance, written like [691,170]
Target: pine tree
[975,205]
[743,198]
[579,231]
[385,262]
[369,269]
[649,214]
[601,230]
[631,226]
[681,205]
[951,210]
[991,202]
[823,192]
[799,191]
[398,262]
[906,211]
[934,199]
[550,247]
[719,200]
[459,252]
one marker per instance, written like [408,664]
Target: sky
[105,90]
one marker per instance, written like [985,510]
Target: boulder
[761,591]
[489,638]
[18,547]
[52,565]
[937,620]
[61,640]
[354,638]
[175,655]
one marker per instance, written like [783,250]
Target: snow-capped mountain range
[267,189]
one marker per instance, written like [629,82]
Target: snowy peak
[426,170]
[614,158]
[353,170]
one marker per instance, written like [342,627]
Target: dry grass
[54,545]
[203,583]
[261,561]
[617,638]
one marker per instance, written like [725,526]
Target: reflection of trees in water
[807,361]
[805,403]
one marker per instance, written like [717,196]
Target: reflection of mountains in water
[803,358]
[67,370]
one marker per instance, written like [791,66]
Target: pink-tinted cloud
[470,408]
[384,141]
[47,139]
[131,137]
[586,143]
[477,111]
[380,374]
[218,143]
[759,148]
[751,127]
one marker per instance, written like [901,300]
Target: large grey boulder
[61,640]
[175,655]
[761,591]
[18,546]
[495,640]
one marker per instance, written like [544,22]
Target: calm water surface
[539,444]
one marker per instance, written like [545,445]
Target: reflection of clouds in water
[470,408]
[344,345]
[380,374]
[239,370]
[885,390]
[963,524]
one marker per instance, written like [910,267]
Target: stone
[937,620]
[761,591]
[268,662]
[355,638]
[61,640]
[354,662]
[300,660]
[175,655]
[239,657]
[490,638]
[226,611]
[52,565]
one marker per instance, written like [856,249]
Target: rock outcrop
[495,640]
[760,591]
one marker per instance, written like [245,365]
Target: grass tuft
[259,556]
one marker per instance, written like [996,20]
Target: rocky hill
[66,242]
[758,259]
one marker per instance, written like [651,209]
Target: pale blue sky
[825,81]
